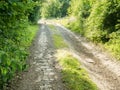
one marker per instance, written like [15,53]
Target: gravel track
[44,71]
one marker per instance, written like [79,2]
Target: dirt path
[44,73]
[103,71]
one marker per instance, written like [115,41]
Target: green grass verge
[74,77]
[32,30]
[52,27]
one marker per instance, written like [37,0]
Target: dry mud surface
[44,71]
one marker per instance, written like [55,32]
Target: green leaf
[8,62]
[4,71]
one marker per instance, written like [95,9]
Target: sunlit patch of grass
[59,41]
[53,29]
[32,30]
[29,34]
[51,26]
[74,76]
[57,38]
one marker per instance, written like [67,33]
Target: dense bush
[102,20]
[34,15]
[14,37]
[80,10]
[64,7]
[50,9]
[98,20]
[54,8]
[114,44]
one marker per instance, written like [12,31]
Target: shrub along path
[44,72]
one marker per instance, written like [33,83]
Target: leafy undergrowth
[113,45]
[74,77]
[14,51]
[98,21]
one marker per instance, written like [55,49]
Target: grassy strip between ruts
[59,43]
[57,38]
[74,77]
